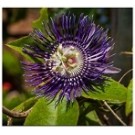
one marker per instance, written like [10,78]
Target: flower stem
[14,114]
[114,114]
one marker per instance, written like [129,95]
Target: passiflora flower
[74,55]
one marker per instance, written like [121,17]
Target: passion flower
[74,54]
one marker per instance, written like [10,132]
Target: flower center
[68,60]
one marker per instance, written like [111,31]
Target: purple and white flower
[74,54]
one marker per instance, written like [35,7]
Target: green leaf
[129,101]
[113,92]
[92,118]
[26,104]
[44,113]
[88,115]
[43,16]
[13,99]
[9,62]
[17,45]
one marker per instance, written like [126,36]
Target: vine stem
[115,115]
[9,121]
[127,53]
[14,114]
[125,75]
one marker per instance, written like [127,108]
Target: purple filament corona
[74,57]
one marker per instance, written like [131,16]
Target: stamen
[68,60]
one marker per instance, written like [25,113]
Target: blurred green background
[17,23]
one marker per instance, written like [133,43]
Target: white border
[1,62]
[62,130]
[67,3]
